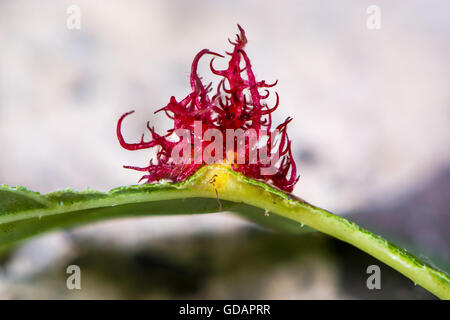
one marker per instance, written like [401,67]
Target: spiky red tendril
[241,106]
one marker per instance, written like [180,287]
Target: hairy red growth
[241,106]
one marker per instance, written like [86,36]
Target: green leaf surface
[214,188]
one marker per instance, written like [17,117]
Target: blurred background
[371,111]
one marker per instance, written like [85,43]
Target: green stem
[237,188]
[213,188]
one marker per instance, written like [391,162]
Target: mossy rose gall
[237,103]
